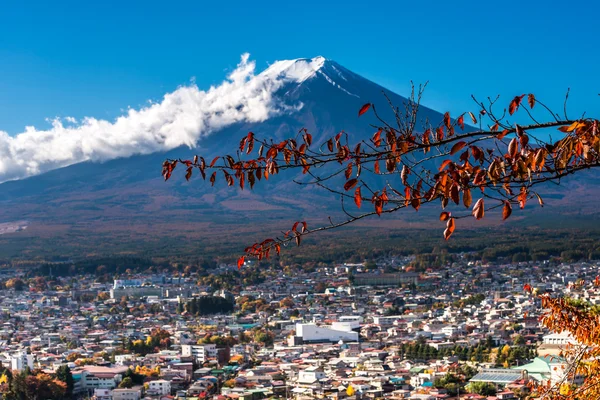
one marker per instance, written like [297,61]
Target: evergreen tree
[63,373]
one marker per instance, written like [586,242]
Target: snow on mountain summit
[302,69]
[297,70]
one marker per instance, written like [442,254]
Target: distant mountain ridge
[126,198]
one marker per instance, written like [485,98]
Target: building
[134,393]
[91,377]
[137,292]
[160,387]
[200,353]
[20,360]
[385,279]
[311,333]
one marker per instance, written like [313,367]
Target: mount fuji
[112,198]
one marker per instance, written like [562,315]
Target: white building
[200,352]
[135,393]
[103,394]
[92,377]
[160,387]
[20,360]
[311,375]
[315,333]
[562,338]
[121,359]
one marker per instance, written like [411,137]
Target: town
[467,330]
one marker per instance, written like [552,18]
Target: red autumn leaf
[350,184]
[357,197]
[531,100]
[364,109]
[377,138]
[506,210]
[447,121]
[240,262]
[212,163]
[444,216]
[308,139]
[330,145]
[457,147]
[461,122]
[439,133]
[514,104]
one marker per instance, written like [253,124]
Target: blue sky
[96,58]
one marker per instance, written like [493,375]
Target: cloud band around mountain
[181,118]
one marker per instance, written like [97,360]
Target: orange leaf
[212,163]
[513,148]
[357,197]
[444,216]
[522,197]
[377,138]
[506,210]
[364,109]
[457,147]
[445,164]
[467,197]
[450,226]
[479,209]
[240,262]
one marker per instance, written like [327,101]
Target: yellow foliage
[350,391]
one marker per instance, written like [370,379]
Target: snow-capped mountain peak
[302,69]
[297,70]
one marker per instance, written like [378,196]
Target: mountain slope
[125,202]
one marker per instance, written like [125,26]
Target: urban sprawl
[468,331]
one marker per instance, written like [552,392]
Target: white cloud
[181,118]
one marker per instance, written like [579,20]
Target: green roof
[540,365]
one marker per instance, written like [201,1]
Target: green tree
[482,388]
[63,374]
[126,383]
